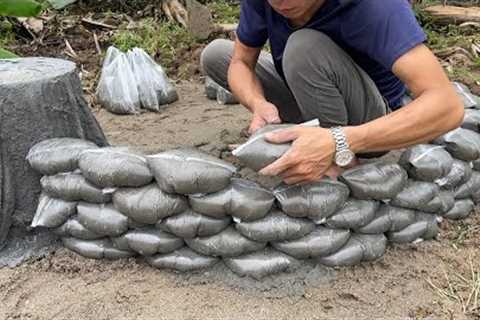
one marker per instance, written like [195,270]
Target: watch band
[340,138]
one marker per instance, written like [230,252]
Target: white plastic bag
[117,90]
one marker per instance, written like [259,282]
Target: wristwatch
[343,155]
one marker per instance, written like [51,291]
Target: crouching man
[344,62]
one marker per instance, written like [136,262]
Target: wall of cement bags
[186,210]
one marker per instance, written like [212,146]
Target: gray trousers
[324,82]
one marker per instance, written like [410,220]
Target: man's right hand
[263,113]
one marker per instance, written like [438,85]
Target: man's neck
[300,22]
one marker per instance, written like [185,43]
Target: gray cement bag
[476,165]
[461,210]
[214,91]
[317,200]
[73,228]
[261,264]
[190,171]
[96,249]
[373,245]
[183,260]
[257,153]
[469,100]
[426,162]
[276,226]
[432,224]
[244,200]
[381,223]
[228,243]
[57,155]
[375,181]
[462,144]
[52,213]
[150,241]
[469,188]
[115,167]
[320,242]
[190,224]
[350,254]
[471,120]
[447,202]
[149,204]
[461,172]
[409,234]
[418,195]
[103,219]
[354,214]
[74,187]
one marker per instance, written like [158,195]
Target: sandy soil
[65,286]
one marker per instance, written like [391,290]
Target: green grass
[224,11]
[6,33]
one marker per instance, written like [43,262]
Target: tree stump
[40,98]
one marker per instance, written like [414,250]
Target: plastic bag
[117,88]
[276,226]
[183,260]
[214,91]
[74,187]
[375,181]
[354,214]
[115,167]
[73,228]
[320,242]
[446,200]
[471,120]
[154,88]
[261,264]
[190,171]
[426,162]
[469,100]
[418,195]
[461,210]
[469,188]
[432,224]
[150,241]
[409,234]
[257,153]
[190,224]
[53,156]
[102,219]
[228,243]
[149,204]
[462,144]
[349,255]
[476,165]
[461,172]
[52,213]
[373,245]
[381,223]
[95,249]
[316,201]
[242,199]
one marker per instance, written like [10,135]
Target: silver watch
[343,155]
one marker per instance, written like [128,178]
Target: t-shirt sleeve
[252,28]
[383,30]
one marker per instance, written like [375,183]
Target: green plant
[17,8]
[224,11]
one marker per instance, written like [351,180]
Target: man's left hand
[310,156]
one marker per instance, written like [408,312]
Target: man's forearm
[435,112]
[244,84]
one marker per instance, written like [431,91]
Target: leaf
[19,8]
[4,54]
[60,4]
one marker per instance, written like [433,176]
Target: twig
[97,45]
[70,50]
[98,24]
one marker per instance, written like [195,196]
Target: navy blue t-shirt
[375,33]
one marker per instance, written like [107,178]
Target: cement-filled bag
[461,210]
[52,213]
[183,259]
[471,120]
[96,249]
[148,204]
[257,153]
[460,173]
[426,162]
[228,243]
[115,167]
[320,242]
[418,195]
[102,219]
[150,241]
[74,187]
[261,264]
[317,200]
[469,188]
[191,224]
[56,155]
[244,200]
[190,171]
[276,226]
[389,218]
[375,181]
[461,143]
[72,228]
[410,233]
[469,100]
[354,214]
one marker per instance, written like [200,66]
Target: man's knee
[215,55]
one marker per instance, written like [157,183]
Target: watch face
[344,158]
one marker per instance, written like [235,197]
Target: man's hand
[263,113]
[309,158]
